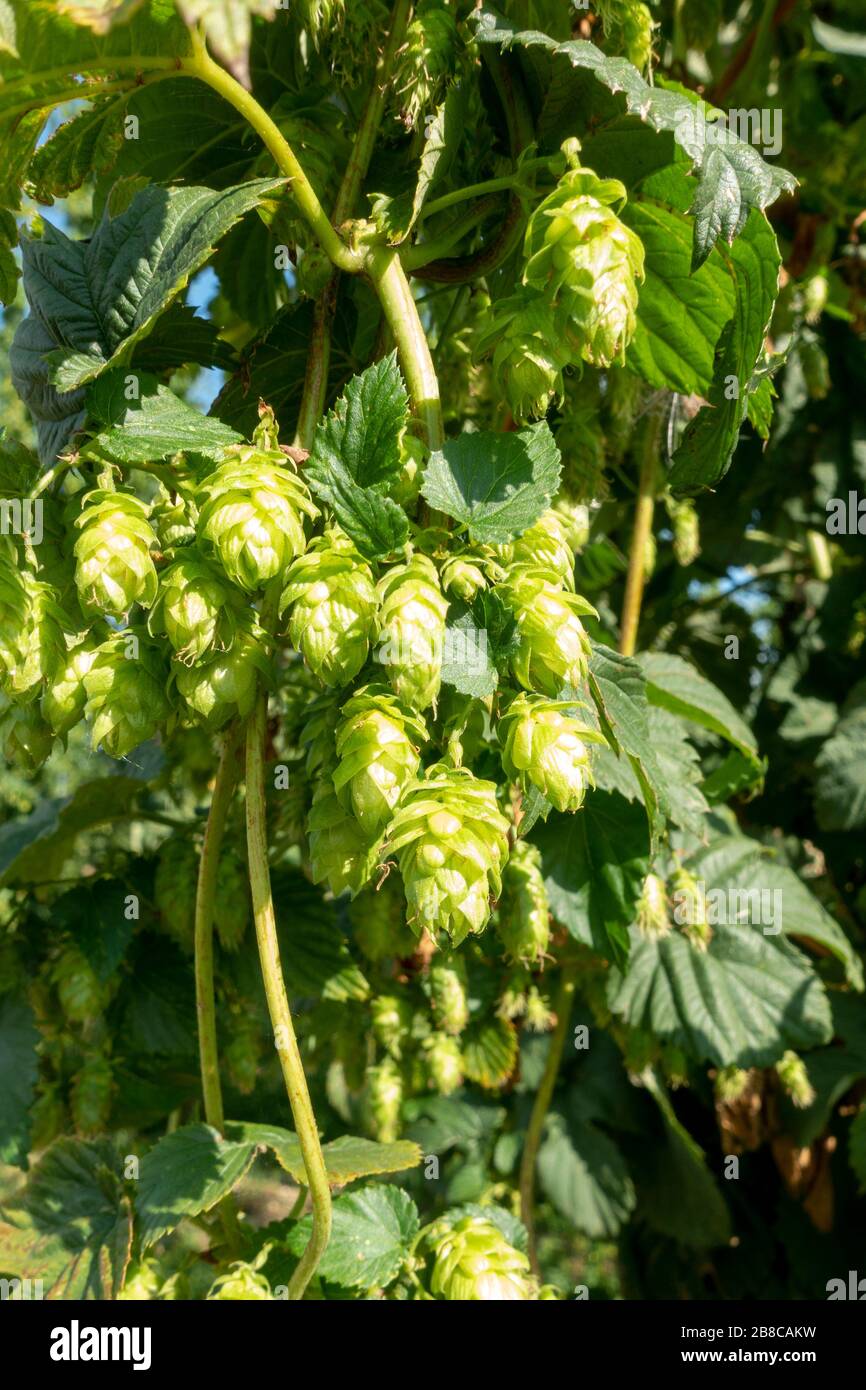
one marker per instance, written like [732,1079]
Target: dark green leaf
[497,485]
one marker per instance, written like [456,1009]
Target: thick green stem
[543,1097]
[390,282]
[278,1003]
[643,521]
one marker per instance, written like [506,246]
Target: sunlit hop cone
[792,1073]
[65,696]
[523,922]
[473,1262]
[425,61]
[341,855]
[546,545]
[384,1099]
[444,1061]
[686,528]
[466,572]
[544,745]
[113,564]
[378,743]
[333,604]
[451,842]
[528,355]
[172,518]
[553,649]
[25,737]
[652,908]
[379,922]
[90,1096]
[690,907]
[32,654]
[449,992]
[125,689]
[412,630]
[628,30]
[13,606]
[252,510]
[392,1023]
[589,264]
[242,1283]
[224,685]
[195,607]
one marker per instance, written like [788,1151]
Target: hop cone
[467,572]
[252,511]
[231,912]
[546,546]
[377,747]
[173,520]
[224,685]
[341,855]
[524,912]
[652,908]
[13,604]
[406,489]
[241,1283]
[449,993]
[444,1063]
[412,630]
[451,841]
[628,28]
[40,645]
[243,1053]
[65,697]
[730,1084]
[333,608]
[392,1023]
[589,264]
[792,1073]
[473,1262]
[686,528]
[113,565]
[384,1099]
[573,517]
[175,884]
[195,607]
[425,61]
[379,920]
[690,908]
[81,995]
[528,356]
[125,688]
[25,737]
[545,746]
[553,649]
[90,1099]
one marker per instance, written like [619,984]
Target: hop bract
[544,745]
[589,263]
[333,604]
[195,607]
[546,545]
[412,631]
[378,741]
[113,564]
[224,685]
[523,923]
[341,854]
[125,690]
[252,511]
[65,696]
[553,649]
[449,992]
[473,1262]
[451,842]
[25,737]
[528,355]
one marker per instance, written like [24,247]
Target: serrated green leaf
[496,485]
[317,961]
[152,424]
[186,1173]
[467,663]
[618,688]
[81,148]
[584,1175]
[438,1123]
[371,1235]
[97,918]
[228,27]
[346,1159]
[676,685]
[19,1070]
[840,786]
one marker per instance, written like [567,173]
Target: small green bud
[384,1100]
[444,1061]
[539,1017]
[791,1071]
[690,908]
[467,572]
[545,546]
[731,1083]
[392,1023]
[652,908]
[241,1283]
[449,992]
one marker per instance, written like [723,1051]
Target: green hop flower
[426,60]
[13,604]
[791,1071]
[243,1054]
[231,913]
[552,649]
[686,528]
[449,992]
[173,519]
[523,923]
[224,685]
[25,737]
[467,572]
[628,30]
[142,1283]
[65,696]
[539,1017]
[392,1023]
[333,608]
[573,517]
[384,1098]
[652,908]
[451,842]
[82,997]
[90,1097]
[125,689]
[252,510]
[412,630]
[377,746]
[589,264]
[730,1085]
[175,885]
[546,546]
[413,456]
[113,564]
[528,355]
[690,908]
[341,855]
[444,1061]
[473,1262]
[544,745]
[379,921]
[195,607]
[40,645]
[675,1065]
[241,1283]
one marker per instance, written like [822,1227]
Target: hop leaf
[473,1262]
[82,997]
[553,649]
[252,511]
[90,1098]
[413,630]
[195,607]
[523,923]
[545,746]
[125,689]
[377,746]
[451,841]
[426,59]
[333,608]
[113,564]
[588,263]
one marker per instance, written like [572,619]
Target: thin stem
[643,521]
[420,253]
[315,392]
[478,190]
[543,1097]
[278,1002]
[391,285]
